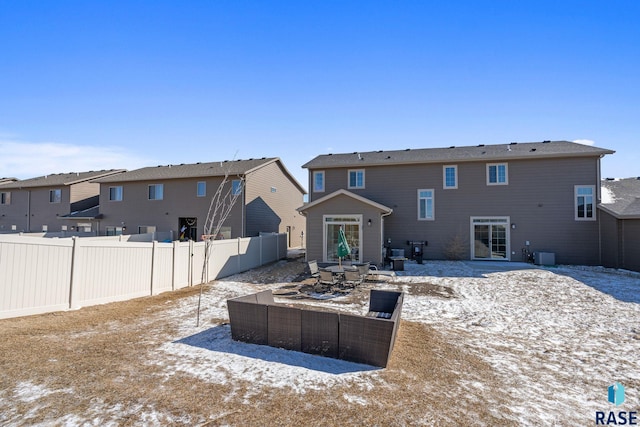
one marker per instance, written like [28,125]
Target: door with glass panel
[490,238]
[351,224]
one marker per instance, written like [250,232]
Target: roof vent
[388,157]
[330,154]
[480,145]
[453,146]
[513,143]
[533,149]
[407,149]
[609,179]
[546,141]
[379,151]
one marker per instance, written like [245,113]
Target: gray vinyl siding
[15,213]
[611,242]
[179,201]
[539,200]
[631,244]
[371,249]
[269,211]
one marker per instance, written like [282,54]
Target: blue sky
[88,85]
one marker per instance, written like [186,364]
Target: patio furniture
[313,269]
[328,278]
[352,277]
[368,339]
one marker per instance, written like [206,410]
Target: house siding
[371,243]
[539,200]
[179,201]
[610,240]
[84,195]
[269,211]
[631,244]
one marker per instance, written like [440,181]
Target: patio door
[352,226]
[490,238]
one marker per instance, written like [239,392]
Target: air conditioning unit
[544,258]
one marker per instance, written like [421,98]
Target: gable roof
[514,150]
[199,170]
[60,179]
[343,192]
[621,197]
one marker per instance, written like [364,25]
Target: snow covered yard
[480,344]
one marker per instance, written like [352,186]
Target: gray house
[620,223]
[51,203]
[485,202]
[176,199]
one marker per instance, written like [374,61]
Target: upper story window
[201,189]
[425,205]
[115,194]
[55,196]
[497,174]
[450,176]
[5,198]
[356,178]
[584,200]
[318,181]
[236,187]
[156,191]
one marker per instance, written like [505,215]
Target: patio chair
[327,278]
[313,269]
[352,277]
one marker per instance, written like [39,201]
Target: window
[584,197]
[236,186]
[274,190]
[156,191]
[497,174]
[201,189]
[425,205]
[318,181]
[5,198]
[115,194]
[113,231]
[356,178]
[450,177]
[55,196]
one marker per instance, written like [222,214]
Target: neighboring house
[485,202]
[177,198]
[620,223]
[49,203]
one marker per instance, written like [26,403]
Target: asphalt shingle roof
[191,170]
[522,150]
[622,197]
[60,179]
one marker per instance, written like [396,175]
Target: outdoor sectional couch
[368,339]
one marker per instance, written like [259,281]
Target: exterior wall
[610,240]
[179,201]
[631,244]
[15,213]
[43,212]
[84,195]
[273,211]
[539,200]
[371,249]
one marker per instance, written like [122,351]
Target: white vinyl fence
[39,275]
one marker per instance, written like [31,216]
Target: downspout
[382,232]
[28,211]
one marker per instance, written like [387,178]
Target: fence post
[153,262]
[190,262]
[173,266]
[72,277]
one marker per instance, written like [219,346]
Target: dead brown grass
[97,357]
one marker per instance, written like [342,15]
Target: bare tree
[222,203]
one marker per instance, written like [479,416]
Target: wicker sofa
[368,339]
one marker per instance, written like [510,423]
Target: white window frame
[55,195]
[201,185]
[576,198]
[146,229]
[427,199]
[155,191]
[444,177]
[497,166]
[316,187]
[357,172]
[5,198]
[118,195]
